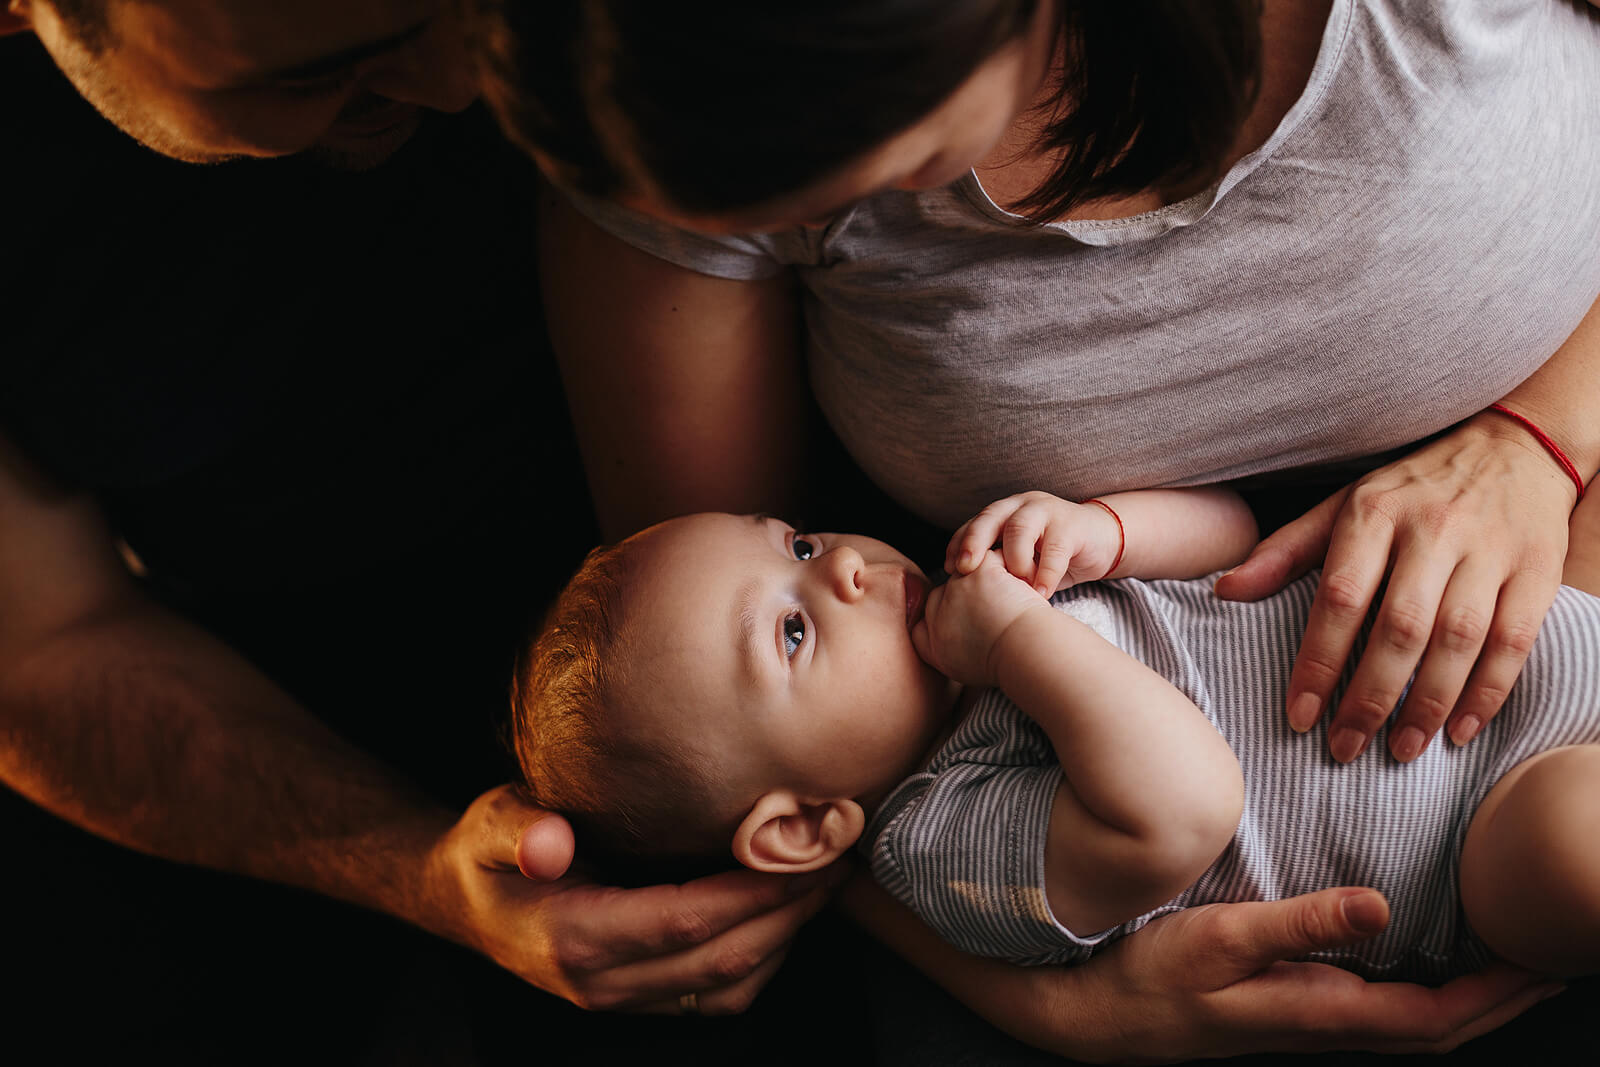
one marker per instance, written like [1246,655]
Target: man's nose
[843,567]
[432,71]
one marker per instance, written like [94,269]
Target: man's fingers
[723,964]
[643,924]
[1257,934]
[729,1000]
[1285,554]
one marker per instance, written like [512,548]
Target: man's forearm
[145,730]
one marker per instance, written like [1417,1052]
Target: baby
[1015,771]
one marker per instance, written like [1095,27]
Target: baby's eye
[803,549]
[794,632]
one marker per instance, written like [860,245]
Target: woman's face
[937,150]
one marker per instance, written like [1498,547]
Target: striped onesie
[962,842]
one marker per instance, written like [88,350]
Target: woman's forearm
[1562,398]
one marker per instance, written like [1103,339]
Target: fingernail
[1346,744]
[1546,992]
[1303,712]
[965,560]
[1465,729]
[1408,744]
[1366,911]
[1042,590]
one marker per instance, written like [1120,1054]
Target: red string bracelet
[1549,445]
[1122,535]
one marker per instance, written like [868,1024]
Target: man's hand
[964,619]
[504,871]
[1464,540]
[1048,542]
[1211,982]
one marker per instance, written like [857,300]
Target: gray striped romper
[962,842]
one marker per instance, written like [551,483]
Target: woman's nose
[843,567]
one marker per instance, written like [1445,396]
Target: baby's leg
[1583,545]
[1530,869]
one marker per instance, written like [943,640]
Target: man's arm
[137,726]
[129,722]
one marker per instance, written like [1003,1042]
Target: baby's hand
[1048,542]
[965,618]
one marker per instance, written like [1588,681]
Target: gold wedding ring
[689,1004]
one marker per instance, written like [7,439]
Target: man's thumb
[545,847]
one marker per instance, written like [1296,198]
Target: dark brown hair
[628,797]
[727,104]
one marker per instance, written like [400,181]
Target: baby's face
[785,659]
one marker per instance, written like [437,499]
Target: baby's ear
[785,834]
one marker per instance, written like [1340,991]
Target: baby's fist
[965,617]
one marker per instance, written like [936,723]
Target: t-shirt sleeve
[963,846]
[740,257]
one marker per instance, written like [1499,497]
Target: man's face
[211,80]
[784,659]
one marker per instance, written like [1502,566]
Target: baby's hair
[629,797]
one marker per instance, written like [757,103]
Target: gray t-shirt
[962,842]
[1416,238]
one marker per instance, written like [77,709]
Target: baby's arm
[1053,543]
[1151,794]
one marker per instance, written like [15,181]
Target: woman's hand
[1211,981]
[506,889]
[1464,541]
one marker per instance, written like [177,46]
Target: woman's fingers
[1285,554]
[1460,628]
[1400,635]
[1357,558]
[1518,616]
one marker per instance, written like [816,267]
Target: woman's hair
[629,797]
[727,104]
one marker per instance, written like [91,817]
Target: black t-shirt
[319,405]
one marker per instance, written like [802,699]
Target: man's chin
[345,148]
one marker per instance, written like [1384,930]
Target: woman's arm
[686,391]
[1210,982]
[1466,537]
